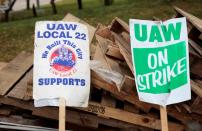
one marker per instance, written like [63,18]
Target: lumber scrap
[71,18]
[197,105]
[193,19]
[78,118]
[125,50]
[120,31]
[74,117]
[100,83]
[196,88]
[112,65]
[129,117]
[14,70]
[196,47]
[20,89]
[114,52]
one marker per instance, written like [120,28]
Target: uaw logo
[62,61]
[63,57]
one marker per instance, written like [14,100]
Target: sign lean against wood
[61,64]
[161,60]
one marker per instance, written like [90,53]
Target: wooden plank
[14,70]
[196,88]
[62,114]
[125,50]
[112,64]
[164,118]
[129,117]
[74,117]
[197,105]
[196,47]
[193,19]
[71,18]
[114,52]
[20,89]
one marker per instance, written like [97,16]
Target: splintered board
[14,70]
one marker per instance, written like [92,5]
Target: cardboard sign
[61,63]
[161,60]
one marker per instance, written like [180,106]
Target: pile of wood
[114,103]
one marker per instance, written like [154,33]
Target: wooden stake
[164,119]
[62,110]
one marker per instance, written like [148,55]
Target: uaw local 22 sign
[61,62]
[161,60]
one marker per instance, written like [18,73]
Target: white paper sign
[161,60]
[61,63]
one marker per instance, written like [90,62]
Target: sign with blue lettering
[61,62]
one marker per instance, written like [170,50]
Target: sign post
[62,114]
[161,62]
[61,66]
[164,119]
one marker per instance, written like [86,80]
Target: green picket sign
[160,60]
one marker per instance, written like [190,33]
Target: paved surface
[21,4]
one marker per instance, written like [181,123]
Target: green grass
[17,35]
